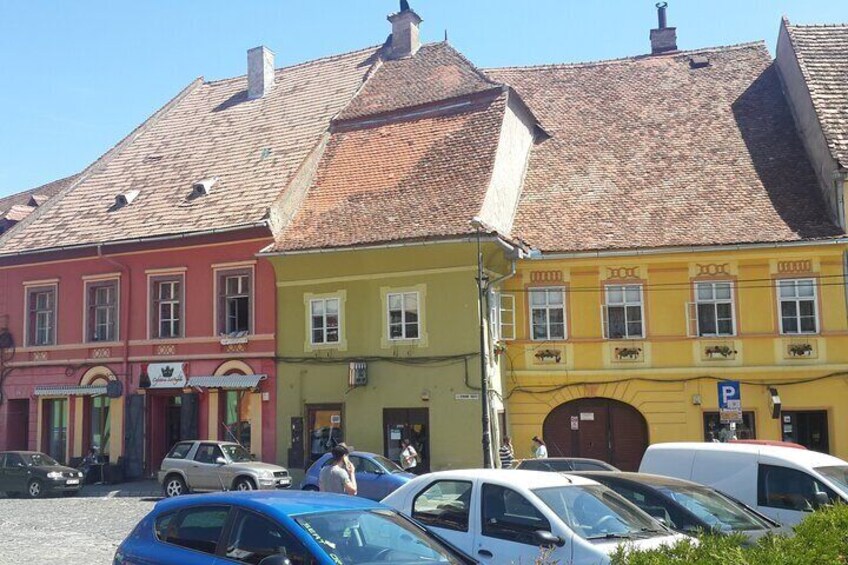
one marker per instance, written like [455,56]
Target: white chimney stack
[260,72]
[405,38]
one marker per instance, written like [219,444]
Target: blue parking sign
[729,395]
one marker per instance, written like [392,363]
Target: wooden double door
[597,428]
[407,423]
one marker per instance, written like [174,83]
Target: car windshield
[38,460]
[594,512]
[388,464]
[374,536]
[838,476]
[555,465]
[710,506]
[236,453]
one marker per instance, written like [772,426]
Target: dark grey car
[36,475]
[563,465]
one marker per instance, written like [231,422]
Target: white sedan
[505,516]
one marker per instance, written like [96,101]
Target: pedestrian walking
[408,456]
[540,450]
[506,453]
[339,475]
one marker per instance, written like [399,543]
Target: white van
[781,482]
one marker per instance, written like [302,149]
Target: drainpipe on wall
[125,327]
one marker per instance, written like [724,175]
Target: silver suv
[217,465]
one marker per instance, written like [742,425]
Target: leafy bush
[821,539]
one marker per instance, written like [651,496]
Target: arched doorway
[598,428]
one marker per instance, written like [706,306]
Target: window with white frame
[167,307]
[41,306]
[547,313]
[325,320]
[102,314]
[506,316]
[798,308]
[714,308]
[234,290]
[623,314]
[403,315]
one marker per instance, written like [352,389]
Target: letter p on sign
[728,395]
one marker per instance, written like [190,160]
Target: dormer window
[203,187]
[126,198]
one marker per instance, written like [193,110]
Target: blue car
[280,528]
[376,476]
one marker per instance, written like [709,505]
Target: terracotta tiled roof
[436,72]
[210,130]
[651,152]
[38,194]
[407,179]
[822,53]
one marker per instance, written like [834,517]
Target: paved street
[66,531]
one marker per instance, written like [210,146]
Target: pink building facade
[130,348]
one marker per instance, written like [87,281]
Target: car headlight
[265,474]
[79,474]
[54,475]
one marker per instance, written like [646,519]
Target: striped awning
[226,381]
[70,390]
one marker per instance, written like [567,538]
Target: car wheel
[35,489]
[311,488]
[175,486]
[244,484]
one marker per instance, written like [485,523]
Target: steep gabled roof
[17,207]
[212,129]
[436,72]
[657,151]
[407,178]
[822,54]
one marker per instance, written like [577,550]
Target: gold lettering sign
[800,266]
[546,276]
[622,272]
[712,269]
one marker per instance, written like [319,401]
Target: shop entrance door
[17,422]
[55,428]
[407,423]
[325,430]
[809,428]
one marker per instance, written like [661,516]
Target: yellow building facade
[647,337]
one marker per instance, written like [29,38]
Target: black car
[564,465]
[686,506]
[36,475]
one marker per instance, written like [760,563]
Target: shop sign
[729,402]
[575,423]
[166,375]
[587,416]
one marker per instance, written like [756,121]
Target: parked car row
[480,516]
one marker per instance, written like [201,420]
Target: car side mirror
[822,499]
[548,539]
[278,559]
[221,461]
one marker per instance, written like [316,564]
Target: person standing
[408,456]
[506,453]
[540,450]
[339,475]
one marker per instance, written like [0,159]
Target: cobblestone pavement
[66,531]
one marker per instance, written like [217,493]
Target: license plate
[72,482]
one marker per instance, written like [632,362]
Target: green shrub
[821,539]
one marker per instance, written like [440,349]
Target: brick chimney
[405,41]
[260,72]
[664,38]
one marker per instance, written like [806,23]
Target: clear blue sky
[75,77]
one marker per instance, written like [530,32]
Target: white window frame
[156,285]
[325,327]
[605,309]
[32,333]
[112,311]
[403,311]
[797,300]
[694,312]
[245,291]
[506,310]
[547,307]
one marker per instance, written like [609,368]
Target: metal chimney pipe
[661,6]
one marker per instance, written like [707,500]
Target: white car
[505,515]
[784,483]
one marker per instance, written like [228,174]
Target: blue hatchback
[376,476]
[280,528]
